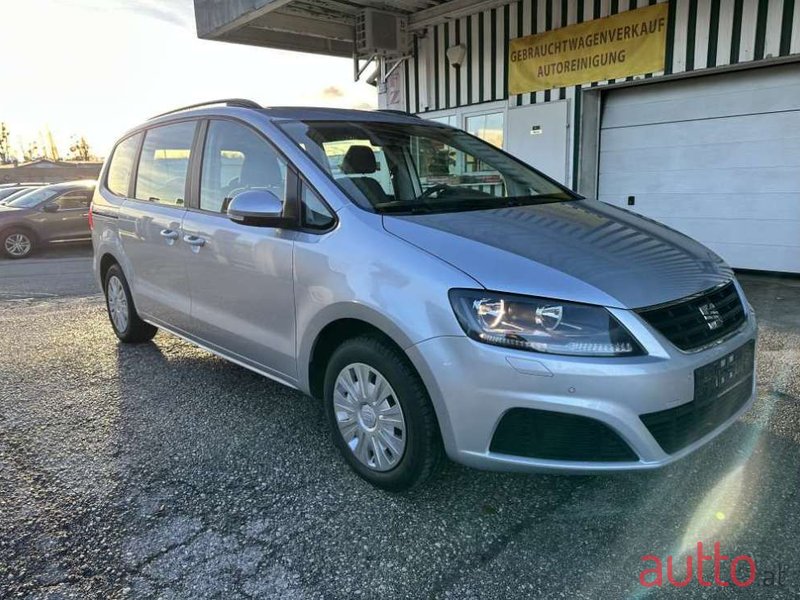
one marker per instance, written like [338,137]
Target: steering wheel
[434,189]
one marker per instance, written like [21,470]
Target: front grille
[698,320]
[558,436]
[720,390]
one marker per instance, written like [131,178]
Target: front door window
[237,159]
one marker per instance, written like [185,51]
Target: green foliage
[5,146]
[80,150]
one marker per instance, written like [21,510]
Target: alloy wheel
[18,244]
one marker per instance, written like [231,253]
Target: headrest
[360,160]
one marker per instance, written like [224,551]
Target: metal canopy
[318,26]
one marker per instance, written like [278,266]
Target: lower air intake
[558,436]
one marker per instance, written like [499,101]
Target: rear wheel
[17,243]
[382,419]
[127,325]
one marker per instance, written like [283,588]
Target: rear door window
[121,167]
[164,164]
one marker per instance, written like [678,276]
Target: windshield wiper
[469,204]
[412,209]
[537,199]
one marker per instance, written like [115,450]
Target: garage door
[715,157]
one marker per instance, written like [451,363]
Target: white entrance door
[537,134]
[715,157]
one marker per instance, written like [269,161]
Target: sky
[97,67]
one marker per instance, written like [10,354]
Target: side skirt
[282,380]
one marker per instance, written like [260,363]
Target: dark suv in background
[50,214]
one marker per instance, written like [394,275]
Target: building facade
[706,140]
[44,170]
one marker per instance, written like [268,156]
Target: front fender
[359,271]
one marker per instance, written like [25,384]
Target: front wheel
[127,325]
[382,419]
[17,243]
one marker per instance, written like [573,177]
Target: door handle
[194,240]
[170,234]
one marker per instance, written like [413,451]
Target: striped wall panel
[701,34]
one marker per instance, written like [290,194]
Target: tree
[31,151]
[5,146]
[80,150]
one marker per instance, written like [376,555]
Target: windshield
[11,192]
[406,169]
[32,198]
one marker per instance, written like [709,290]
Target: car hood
[583,250]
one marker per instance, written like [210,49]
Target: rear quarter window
[121,167]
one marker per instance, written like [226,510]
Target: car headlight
[541,325]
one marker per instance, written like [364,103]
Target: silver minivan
[439,296]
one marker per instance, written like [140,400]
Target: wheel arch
[107,260]
[336,323]
[27,228]
[330,337]
[107,253]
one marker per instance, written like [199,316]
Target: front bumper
[472,385]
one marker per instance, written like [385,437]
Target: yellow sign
[630,43]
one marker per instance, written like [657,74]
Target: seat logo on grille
[711,315]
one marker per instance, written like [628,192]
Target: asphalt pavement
[161,471]
[57,272]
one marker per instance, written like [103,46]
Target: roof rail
[239,102]
[399,112]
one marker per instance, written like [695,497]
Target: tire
[367,427]
[17,242]
[127,325]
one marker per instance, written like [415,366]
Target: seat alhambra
[437,295]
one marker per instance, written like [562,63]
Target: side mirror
[257,207]
[50,208]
